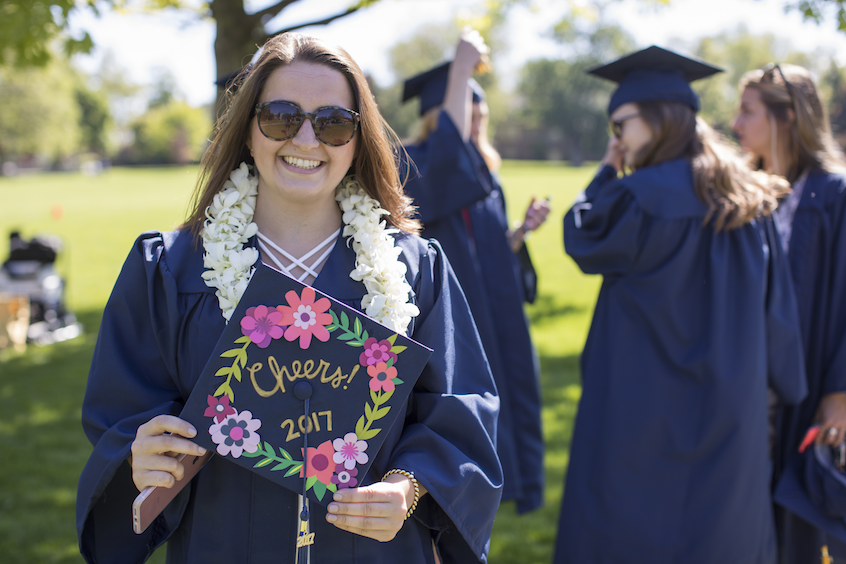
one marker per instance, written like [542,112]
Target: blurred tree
[833,87]
[564,109]
[94,118]
[28,27]
[174,133]
[736,51]
[164,88]
[238,32]
[817,10]
[40,115]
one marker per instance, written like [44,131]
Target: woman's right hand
[471,47]
[614,154]
[154,450]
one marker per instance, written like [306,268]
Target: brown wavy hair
[810,144]
[376,160]
[734,193]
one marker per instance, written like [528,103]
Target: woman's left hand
[536,214]
[831,414]
[376,511]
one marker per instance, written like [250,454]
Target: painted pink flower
[306,317]
[349,450]
[345,478]
[320,462]
[382,377]
[236,434]
[219,408]
[375,352]
[261,325]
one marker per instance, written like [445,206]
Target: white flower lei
[229,225]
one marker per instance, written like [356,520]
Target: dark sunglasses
[278,120]
[615,127]
[770,70]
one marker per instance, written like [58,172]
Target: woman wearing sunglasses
[783,125]
[694,317]
[303,131]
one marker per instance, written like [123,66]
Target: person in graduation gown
[695,316]
[171,302]
[461,204]
[783,125]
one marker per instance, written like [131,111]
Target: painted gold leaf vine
[239,361]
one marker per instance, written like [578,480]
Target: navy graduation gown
[159,328]
[818,268]
[463,207]
[669,456]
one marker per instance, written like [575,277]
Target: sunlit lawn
[42,447]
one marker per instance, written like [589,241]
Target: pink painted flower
[219,408]
[345,478]
[236,434]
[261,325]
[349,450]
[320,462]
[305,317]
[375,352]
[382,377]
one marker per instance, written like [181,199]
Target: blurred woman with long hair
[460,203]
[783,125]
[695,315]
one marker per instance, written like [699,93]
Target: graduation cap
[302,389]
[813,489]
[226,81]
[654,74]
[431,85]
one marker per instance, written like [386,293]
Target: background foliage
[55,116]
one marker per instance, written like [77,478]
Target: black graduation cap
[294,371]
[654,74]
[431,85]
[224,82]
[813,489]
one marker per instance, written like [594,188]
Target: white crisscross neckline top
[270,249]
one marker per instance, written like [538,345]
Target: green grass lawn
[42,447]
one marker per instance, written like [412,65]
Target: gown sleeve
[446,179]
[129,384]
[834,375]
[603,229]
[785,359]
[449,439]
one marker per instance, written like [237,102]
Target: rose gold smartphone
[153,499]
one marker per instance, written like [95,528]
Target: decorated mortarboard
[302,389]
[813,489]
[430,87]
[654,74]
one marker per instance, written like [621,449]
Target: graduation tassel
[824,556]
[305,539]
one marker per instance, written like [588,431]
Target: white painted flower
[305,317]
[349,450]
[236,434]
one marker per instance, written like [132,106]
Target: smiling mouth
[302,163]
